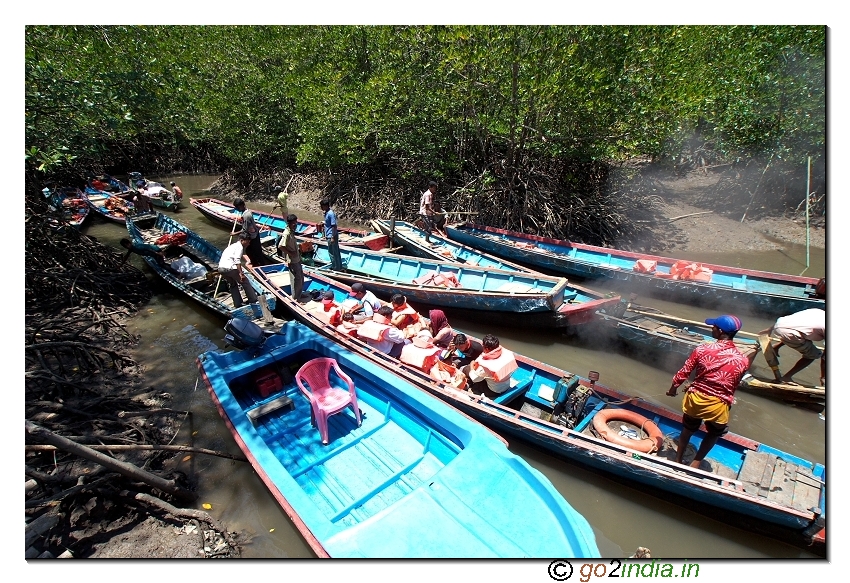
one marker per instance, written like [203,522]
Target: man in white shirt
[367,303]
[798,331]
[230,268]
[426,210]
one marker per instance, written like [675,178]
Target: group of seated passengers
[400,331]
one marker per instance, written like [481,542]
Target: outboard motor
[242,334]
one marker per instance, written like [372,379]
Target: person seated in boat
[440,329]
[491,372]
[380,334]
[230,268]
[797,331]
[719,367]
[332,311]
[348,325]
[404,317]
[461,352]
[421,352]
[366,303]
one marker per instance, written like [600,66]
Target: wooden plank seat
[268,406]
[517,387]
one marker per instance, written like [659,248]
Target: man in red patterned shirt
[719,368]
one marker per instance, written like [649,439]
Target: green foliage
[423,100]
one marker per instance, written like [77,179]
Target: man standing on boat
[797,331]
[249,228]
[178,192]
[288,247]
[230,268]
[331,234]
[426,209]
[719,367]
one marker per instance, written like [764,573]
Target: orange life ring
[646,445]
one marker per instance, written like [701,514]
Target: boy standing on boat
[331,234]
[288,247]
[230,268]
[719,367]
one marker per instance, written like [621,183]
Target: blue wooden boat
[771,293]
[156,192]
[644,331]
[108,206]
[225,214]
[746,483]
[201,284]
[70,202]
[113,186]
[412,239]
[416,479]
[523,299]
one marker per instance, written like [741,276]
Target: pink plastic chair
[324,399]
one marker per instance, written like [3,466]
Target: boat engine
[242,334]
[571,398]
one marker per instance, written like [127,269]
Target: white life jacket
[501,367]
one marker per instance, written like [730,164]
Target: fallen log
[123,468]
[147,447]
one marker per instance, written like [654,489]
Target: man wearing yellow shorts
[719,367]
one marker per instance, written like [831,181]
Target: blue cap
[726,323]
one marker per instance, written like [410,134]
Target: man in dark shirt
[461,351]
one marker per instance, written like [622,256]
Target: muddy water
[174,331]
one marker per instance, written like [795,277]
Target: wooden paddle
[663,316]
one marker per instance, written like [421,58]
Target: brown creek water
[174,331]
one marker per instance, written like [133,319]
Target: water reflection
[174,331]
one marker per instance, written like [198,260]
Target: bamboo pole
[808,198]
[663,316]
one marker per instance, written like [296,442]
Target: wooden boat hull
[645,332]
[416,479]
[72,202]
[97,201]
[225,214]
[519,299]
[210,293]
[784,391]
[525,412]
[771,293]
[412,239]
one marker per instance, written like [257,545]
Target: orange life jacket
[373,330]
[422,358]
